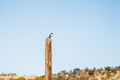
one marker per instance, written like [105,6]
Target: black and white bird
[50,35]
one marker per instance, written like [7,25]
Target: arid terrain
[107,73]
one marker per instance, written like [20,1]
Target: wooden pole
[48,58]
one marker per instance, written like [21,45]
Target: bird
[50,35]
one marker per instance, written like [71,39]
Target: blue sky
[86,34]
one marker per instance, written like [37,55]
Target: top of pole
[50,35]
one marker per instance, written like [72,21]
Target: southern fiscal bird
[50,35]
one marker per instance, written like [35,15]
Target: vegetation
[40,78]
[20,78]
[8,74]
[108,73]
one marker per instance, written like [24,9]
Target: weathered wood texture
[48,58]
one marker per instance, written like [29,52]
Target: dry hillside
[107,73]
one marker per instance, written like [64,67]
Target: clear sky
[86,34]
